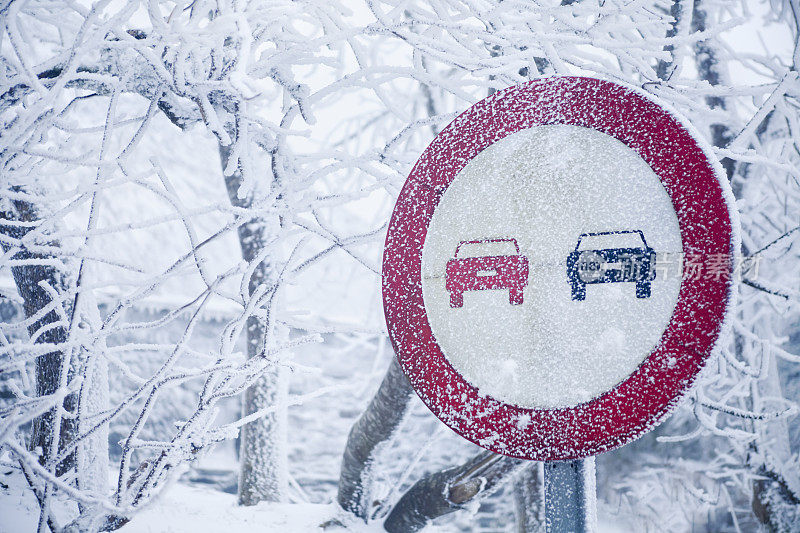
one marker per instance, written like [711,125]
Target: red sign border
[701,198]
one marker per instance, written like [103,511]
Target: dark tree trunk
[16,222]
[709,69]
[450,490]
[375,426]
[664,69]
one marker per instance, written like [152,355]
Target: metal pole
[569,496]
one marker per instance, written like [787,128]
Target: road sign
[558,267]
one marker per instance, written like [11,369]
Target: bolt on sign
[524,281]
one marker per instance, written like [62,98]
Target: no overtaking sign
[535,276]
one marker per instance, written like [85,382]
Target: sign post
[557,270]
[569,496]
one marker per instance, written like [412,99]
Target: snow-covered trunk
[93,399]
[449,490]
[34,281]
[263,471]
[375,426]
[529,499]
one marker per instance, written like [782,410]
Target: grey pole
[569,496]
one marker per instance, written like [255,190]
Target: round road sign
[558,267]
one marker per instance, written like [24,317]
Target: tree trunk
[529,499]
[449,490]
[16,222]
[262,453]
[664,69]
[92,453]
[375,426]
[711,70]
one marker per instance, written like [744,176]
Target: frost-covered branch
[449,490]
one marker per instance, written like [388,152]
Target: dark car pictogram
[487,272]
[594,261]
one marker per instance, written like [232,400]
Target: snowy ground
[200,509]
[184,508]
[188,507]
[197,510]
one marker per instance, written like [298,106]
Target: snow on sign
[558,267]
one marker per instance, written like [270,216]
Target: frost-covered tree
[98,222]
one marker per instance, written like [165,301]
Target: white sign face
[551,266]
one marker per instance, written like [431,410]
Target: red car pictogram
[486,273]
